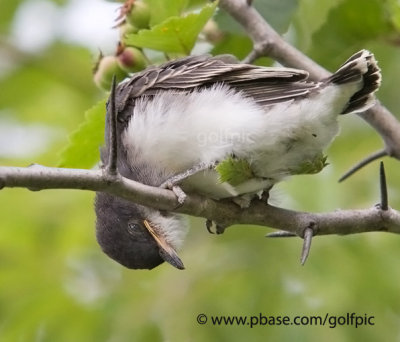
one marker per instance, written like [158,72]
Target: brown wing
[265,85]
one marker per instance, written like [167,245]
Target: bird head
[137,237]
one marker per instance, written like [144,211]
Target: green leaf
[174,35]
[83,149]
[393,11]
[8,9]
[161,10]
[348,28]
[310,16]
[196,3]
[237,45]
[234,171]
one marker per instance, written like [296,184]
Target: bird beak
[167,253]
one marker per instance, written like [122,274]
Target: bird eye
[133,227]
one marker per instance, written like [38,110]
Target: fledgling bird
[222,129]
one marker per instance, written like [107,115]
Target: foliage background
[55,283]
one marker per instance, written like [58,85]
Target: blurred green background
[55,283]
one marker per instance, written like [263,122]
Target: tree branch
[226,213]
[267,42]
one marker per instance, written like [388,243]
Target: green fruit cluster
[127,59]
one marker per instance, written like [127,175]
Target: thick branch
[223,212]
[267,42]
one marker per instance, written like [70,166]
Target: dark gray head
[135,236]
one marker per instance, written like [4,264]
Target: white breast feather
[176,131]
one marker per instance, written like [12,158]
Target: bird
[213,126]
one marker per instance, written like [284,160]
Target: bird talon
[220,229]
[209,225]
[265,196]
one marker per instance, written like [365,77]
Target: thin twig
[280,233]
[111,166]
[251,57]
[362,163]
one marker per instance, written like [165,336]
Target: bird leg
[265,195]
[209,224]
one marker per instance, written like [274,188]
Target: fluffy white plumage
[175,131]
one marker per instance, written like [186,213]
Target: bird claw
[265,195]
[209,225]
[172,183]
[219,229]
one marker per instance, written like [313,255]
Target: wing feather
[265,85]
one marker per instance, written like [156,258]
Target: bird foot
[173,182]
[219,229]
[177,190]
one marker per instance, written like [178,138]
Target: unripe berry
[106,69]
[139,15]
[131,59]
[212,32]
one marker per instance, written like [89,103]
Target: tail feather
[361,67]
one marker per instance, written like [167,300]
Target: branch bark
[226,213]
